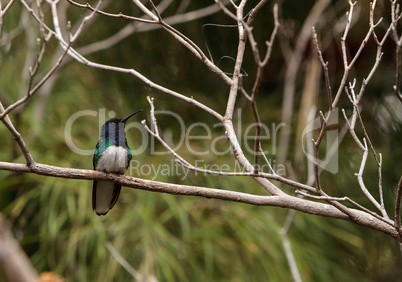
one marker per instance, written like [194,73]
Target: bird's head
[115,124]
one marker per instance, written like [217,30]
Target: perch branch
[283,201]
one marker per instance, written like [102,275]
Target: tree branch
[13,261]
[283,201]
[398,204]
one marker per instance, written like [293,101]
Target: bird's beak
[130,115]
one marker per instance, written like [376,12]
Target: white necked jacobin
[112,155]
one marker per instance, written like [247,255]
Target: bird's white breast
[114,159]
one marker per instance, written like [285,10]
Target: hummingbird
[112,155]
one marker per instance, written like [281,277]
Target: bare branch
[152,113]
[290,257]
[345,199]
[189,44]
[119,15]
[352,122]
[186,164]
[18,138]
[398,43]
[325,68]
[184,40]
[284,200]
[139,27]
[3,12]
[13,261]
[32,91]
[146,11]
[260,70]
[398,205]
[234,87]
[355,99]
[266,160]
[135,274]
[359,176]
[345,34]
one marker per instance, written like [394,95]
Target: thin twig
[135,274]
[290,256]
[18,138]
[346,199]
[325,68]
[188,43]
[398,43]
[359,176]
[398,204]
[152,113]
[260,70]
[266,161]
[32,72]
[3,12]
[119,15]
[37,86]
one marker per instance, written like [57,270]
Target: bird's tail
[104,196]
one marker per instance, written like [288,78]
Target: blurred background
[177,238]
